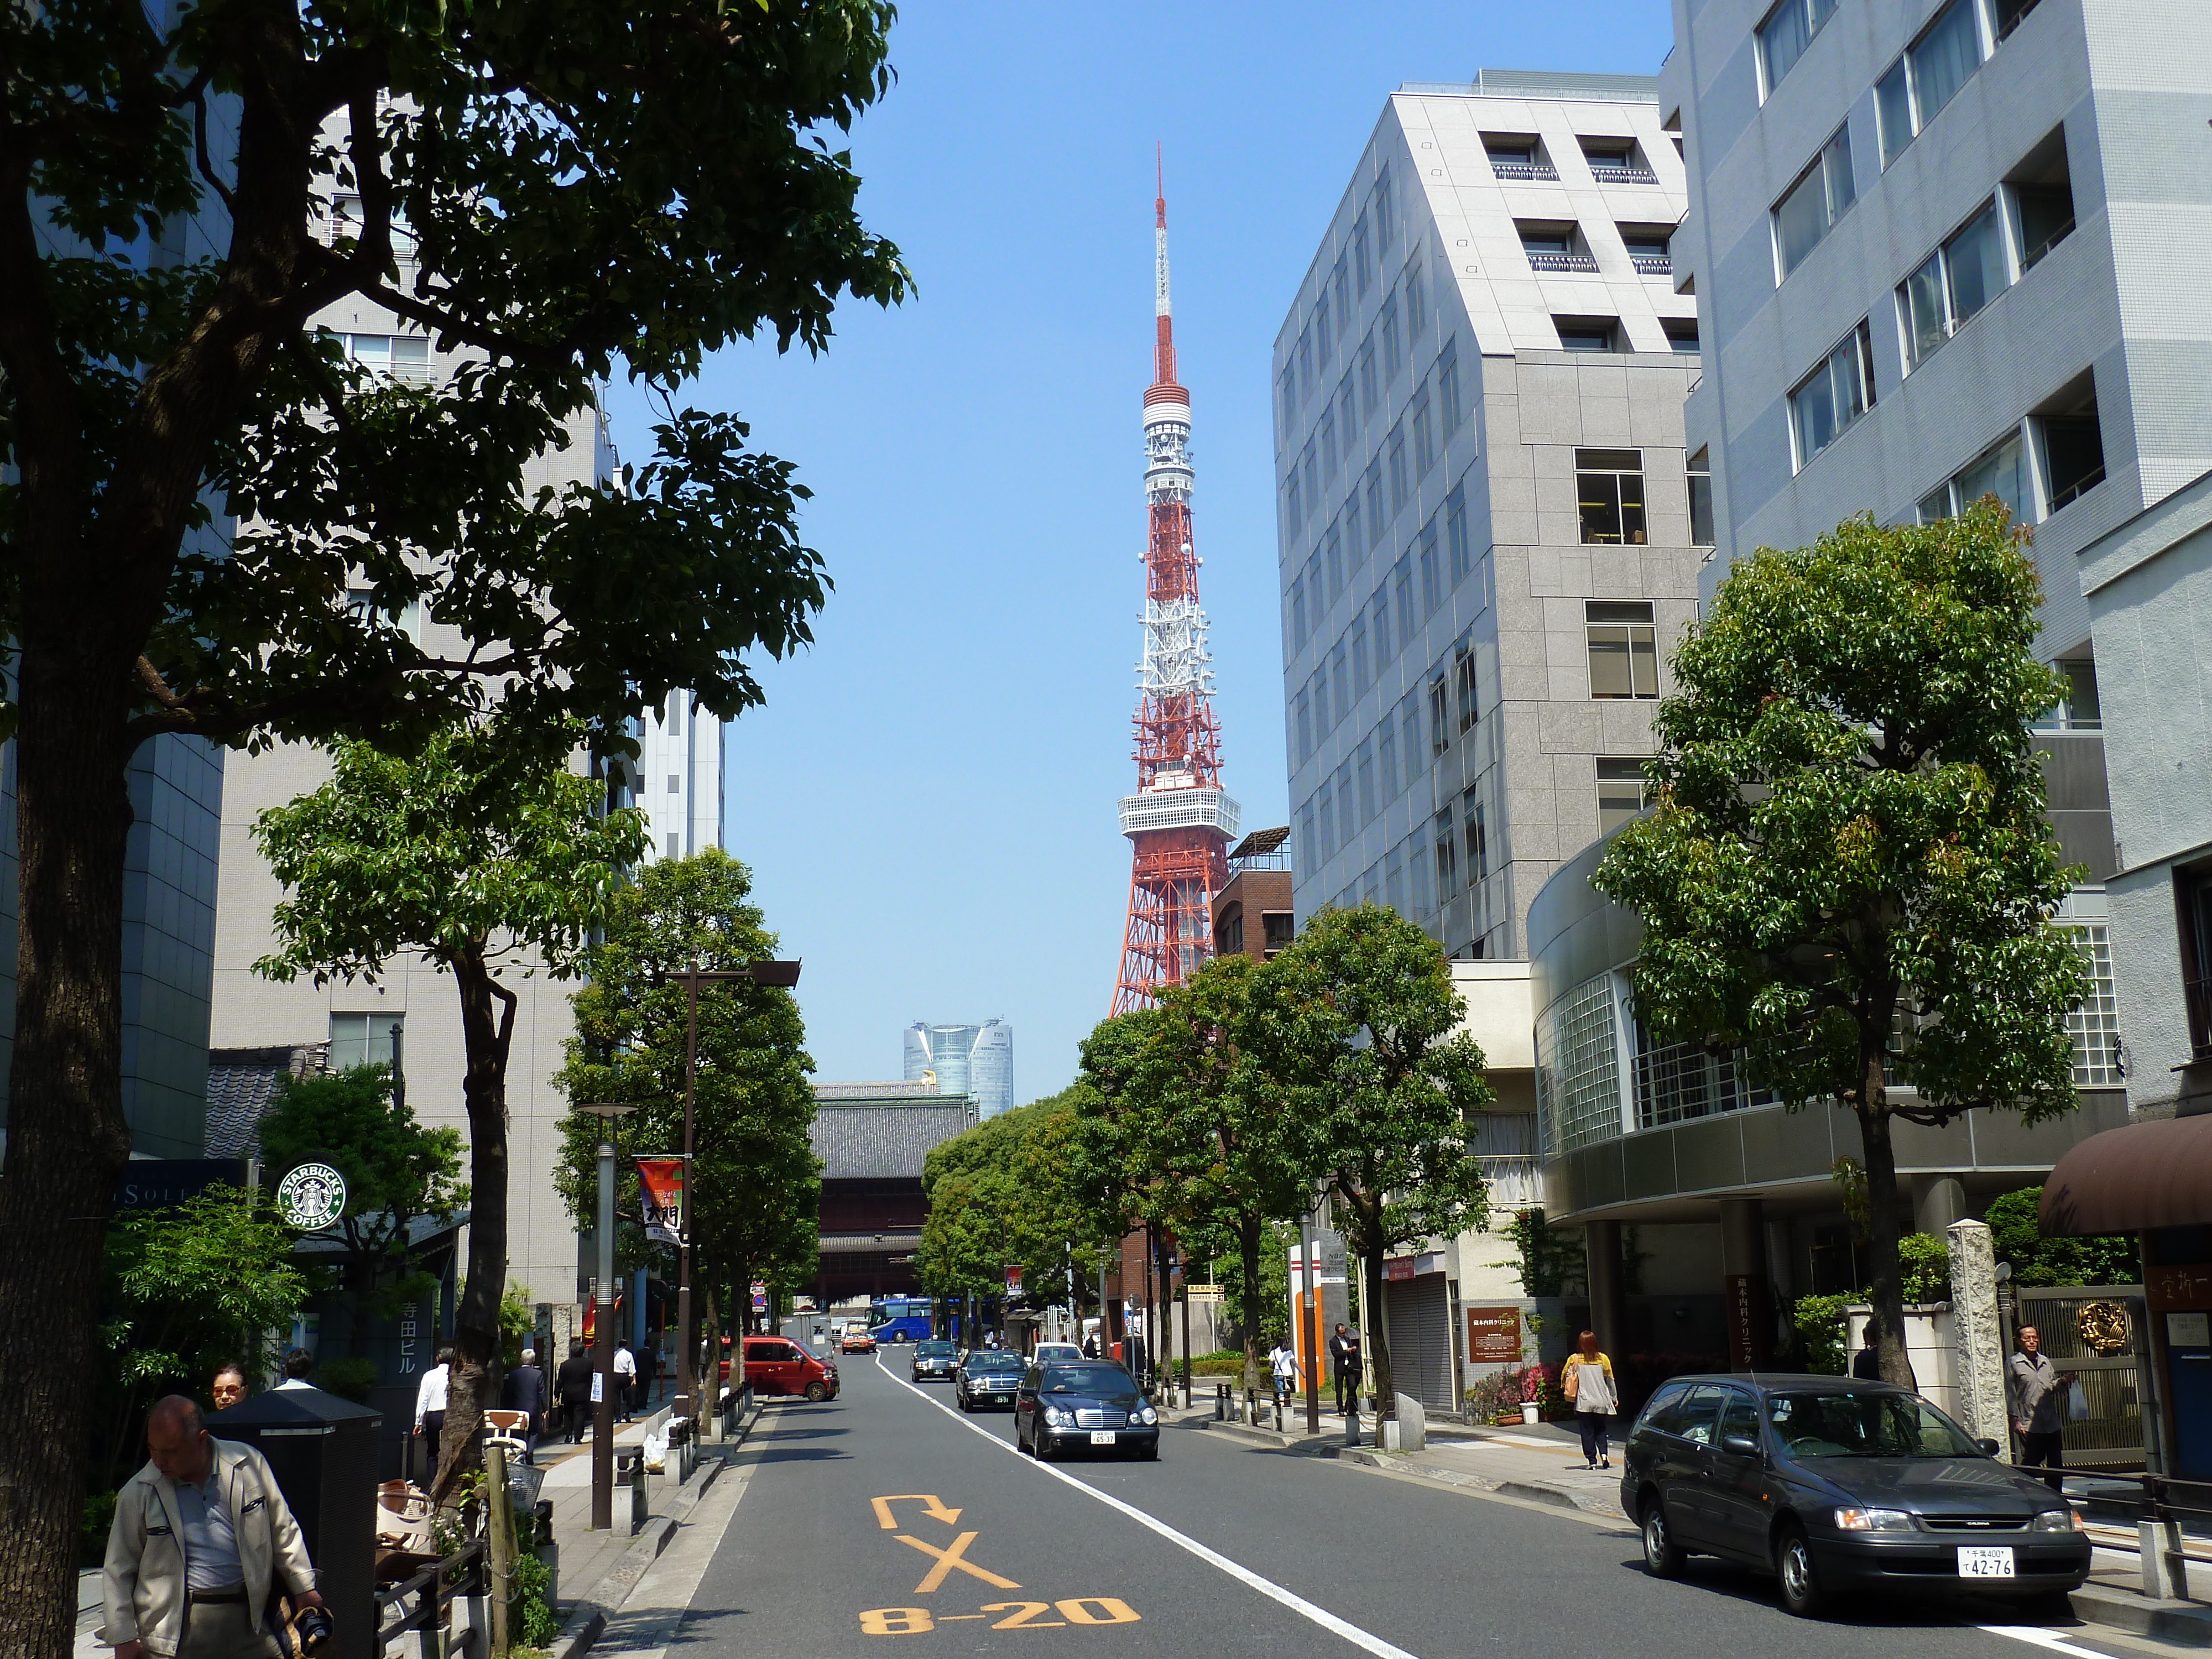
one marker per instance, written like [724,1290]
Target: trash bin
[323,1451]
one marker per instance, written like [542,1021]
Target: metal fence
[2097,1336]
[423,1607]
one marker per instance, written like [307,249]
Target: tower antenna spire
[1181,820]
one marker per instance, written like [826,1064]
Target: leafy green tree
[2036,1258]
[397,1171]
[190,1287]
[1357,1023]
[1848,880]
[756,1197]
[492,863]
[556,190]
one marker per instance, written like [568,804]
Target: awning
[2133,1179]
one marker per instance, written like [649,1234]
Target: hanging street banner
[661,1191]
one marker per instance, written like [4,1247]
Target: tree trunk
[487,1032]
[1378,1340]
[1248,1251]
[1887,1294]
[1164,1366]
[67,1137]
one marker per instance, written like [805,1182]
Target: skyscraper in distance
[966,1059]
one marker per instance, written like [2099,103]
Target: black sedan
[935,1360]
[987,1377]
[1067,1405]
[1834,1486]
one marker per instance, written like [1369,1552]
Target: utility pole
[1309,1317]
[603,1324]
[780,973]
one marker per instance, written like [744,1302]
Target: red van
[776,1364]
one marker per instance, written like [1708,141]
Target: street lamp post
[781,974]
[603,1303]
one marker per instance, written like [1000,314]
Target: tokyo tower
[1180,821]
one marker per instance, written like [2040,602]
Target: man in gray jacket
[200,1535]
[2038,1401]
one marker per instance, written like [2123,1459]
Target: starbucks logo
[312,1197]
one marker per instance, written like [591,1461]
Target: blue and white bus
[900,1319]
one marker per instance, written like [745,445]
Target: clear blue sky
[927,800]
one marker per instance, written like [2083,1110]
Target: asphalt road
[886,1518]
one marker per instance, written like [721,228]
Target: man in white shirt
[430,1408]
[625,1377]
[297,1365]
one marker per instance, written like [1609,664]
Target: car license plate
[1985,1563]
[1105,1437]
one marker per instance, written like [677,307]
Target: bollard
[1221,1402]
[629,1471]
[1352,1424]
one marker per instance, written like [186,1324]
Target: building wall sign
[1398,1266]
[2166,1288]
[1746,1316]
[1493,1336]
[313,1197]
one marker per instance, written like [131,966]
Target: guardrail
[1561,261]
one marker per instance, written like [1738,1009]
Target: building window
[1439,716]
[1363,256]
[1834,395]
[1370,385]
[1393,353]
[1424,437]
[1447,857]
[1701,499]
[1681,335]
[2079,710]
[2072,451]
[1309,847]
[1383,205]
[1417,303]
[1418,868]
[1394,879]
[1323,334]
[1332,563]
[1305,728]
[1621,793]
[1359,674]
[1650,248]
[1587,333]
[1348,820]
[403,356]
[1347,414]
[1366,767]
[1517,155]
[1952,285]
[675,846]
[362,1039]
[1448,405]
[2192,894]
[1463,680]
[675,784]
[1401,581]
[1229,938]
[1286,399]
[1378,608]
[1386,753]
[1609,490]
[1378,519]
[2000,471]
[1624,649]
[1409,723]
[1277,930]
[1553,245]
[2095,1025]
[1478,836]
[2041,192]
[1455,547]
[1578,1069]
[1340,680]
[1783,38]
[1399,487]
[1813,203]
[1298,630]
[1431,579]
[1927,76]
[1291,506]
[1614,161]
[2007,14]
[1325,803]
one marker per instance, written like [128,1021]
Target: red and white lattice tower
[1181,820]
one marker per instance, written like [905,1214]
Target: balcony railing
[1538,261]
[1653,264]
[1523,169]
[1622,173]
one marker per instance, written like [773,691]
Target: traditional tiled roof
[243,1085]
[885,1140]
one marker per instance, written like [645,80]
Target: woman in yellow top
[1586,1380]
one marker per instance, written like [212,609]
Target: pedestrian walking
[524,1391]
[2038,1403]
[1588,1382]
[430,1408]
[1283,1365]
[228,1387]
[648,1373]
[297,1365]
[625,1377]
[1348,1364]
[201,1535]
[575,1382]
[1866,1363]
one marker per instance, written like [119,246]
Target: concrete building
[676,779]
[965,1060]
[1486,531]
[1254,914]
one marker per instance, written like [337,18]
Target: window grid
[2095,1025]
[1578,1069]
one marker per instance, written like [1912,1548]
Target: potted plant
[1533,1384]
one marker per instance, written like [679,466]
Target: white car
[1045,1350]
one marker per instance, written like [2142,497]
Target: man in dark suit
[1348,1363]
[525,1391]
[575,1382]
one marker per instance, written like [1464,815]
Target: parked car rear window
[1693,1414]
[1865,1426]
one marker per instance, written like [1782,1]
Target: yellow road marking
[955,1617]
[955,1556]
[930,1506]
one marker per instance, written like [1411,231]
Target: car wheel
[1021,1440]
[816,1393]
[1801,1580]
[1662,1556]
[1041,1448]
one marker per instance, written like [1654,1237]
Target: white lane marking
[1267,1587]
[2036,1636]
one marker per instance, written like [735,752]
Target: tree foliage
[1848,880]
[757,1195]
[397,1171]
[2037,1258]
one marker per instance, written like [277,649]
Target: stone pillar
[1937,1201]
[1979,1336]
[1608,1306]
[560,1319]
[1743,1276]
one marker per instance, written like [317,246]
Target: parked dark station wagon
[1834,1484]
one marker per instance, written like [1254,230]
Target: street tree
[397,1170]
[554,192]
[1849,881]
[1356,1024]
[493,864]
[756,1188]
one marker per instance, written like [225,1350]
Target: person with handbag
[201,1542]
[1587,1381]
[2039,1393]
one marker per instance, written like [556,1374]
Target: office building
[1255,914]
[1488,528]
[965,1060]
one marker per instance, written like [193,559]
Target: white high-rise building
[965,1060]
[678,776]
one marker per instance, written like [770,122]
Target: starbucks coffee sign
[313,1197]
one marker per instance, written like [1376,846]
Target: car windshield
[935,1350]
[1865,1426]
[1085,1379]
[995,1362]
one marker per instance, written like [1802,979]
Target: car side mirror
[1742,1445]
[1989,1448]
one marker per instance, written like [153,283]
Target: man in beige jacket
[200,1535]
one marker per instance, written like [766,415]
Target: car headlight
[1147,1415]
[1855,1519]
[2055,1521]
[1057,1417]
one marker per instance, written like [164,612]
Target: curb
[587,1622]
[1527,1491]
[2184,1624]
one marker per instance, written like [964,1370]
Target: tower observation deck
[1181,820]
